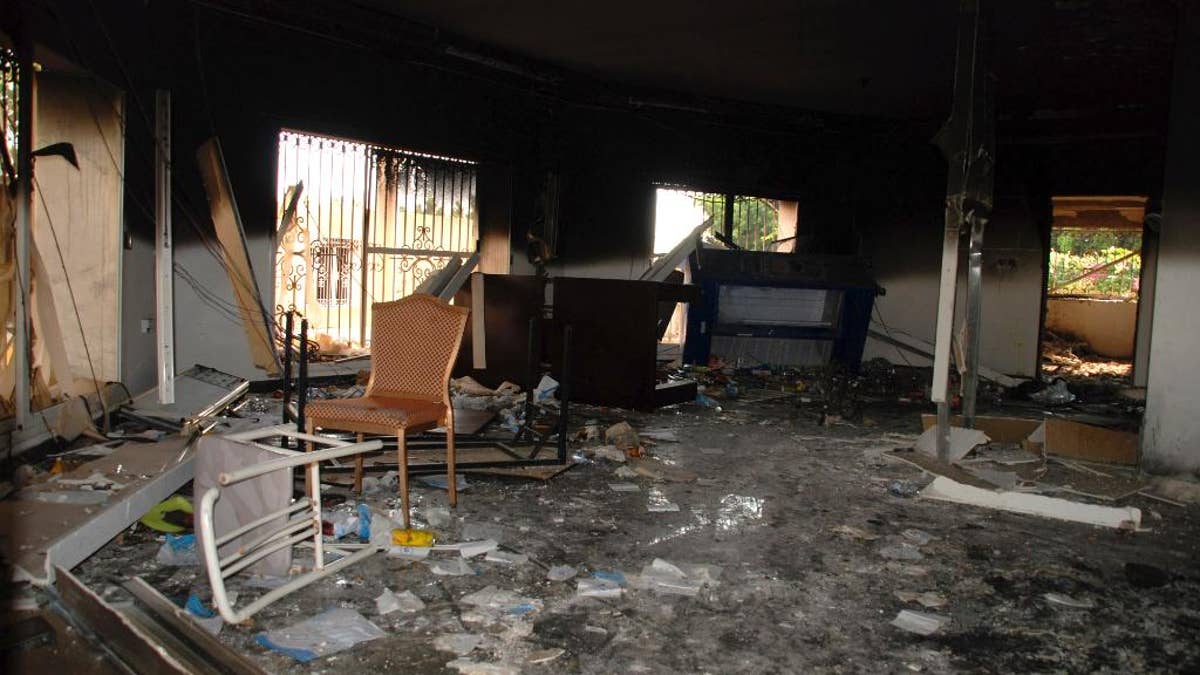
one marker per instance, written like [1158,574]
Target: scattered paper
[657,502]
[450,567]
[920,623]
[561,573]
[506,557]
[1068,601]
[928,599]
[544,655]
[677,579]
[406,601]
[598,588]
[457,643]
[918,537]
[851,532]
[471,549]
[468,667]
[440,482]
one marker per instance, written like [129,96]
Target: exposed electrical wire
[888,331]
[214,247]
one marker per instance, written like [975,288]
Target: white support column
[164,287]
[1171,427]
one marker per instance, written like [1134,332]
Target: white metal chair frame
[304,519]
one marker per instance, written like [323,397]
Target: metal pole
[164,288]
[302,393]
[966,143]
[289,321]
[365,273]
[24,216]
[564,395]
[974,316]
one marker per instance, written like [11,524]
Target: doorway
[1092,288]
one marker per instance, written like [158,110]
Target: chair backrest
[414,342]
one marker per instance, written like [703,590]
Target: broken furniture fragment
[39,537]
[946,489]
[1067,438]
[200,394]
[302,519]
[416,341]
[615,335]
[786,309]
[246,502]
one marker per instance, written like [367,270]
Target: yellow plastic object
[412,538]
[154,517]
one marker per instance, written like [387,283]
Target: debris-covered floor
[811,552]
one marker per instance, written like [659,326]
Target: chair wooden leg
[358,468]
[402,471]
[451,481]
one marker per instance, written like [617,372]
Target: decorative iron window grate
[371,224]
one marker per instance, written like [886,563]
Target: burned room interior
[637,337]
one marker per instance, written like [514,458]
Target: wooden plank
[1067,438]
[478,324]
[133,646]
[228,225]
[999,429]
[84,205]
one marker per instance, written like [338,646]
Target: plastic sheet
[329,632]
[405,601]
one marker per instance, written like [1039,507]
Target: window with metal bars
[747,222]
[370,225]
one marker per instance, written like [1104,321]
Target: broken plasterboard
[947,490]
[38,537]
[998,429]
[962,441]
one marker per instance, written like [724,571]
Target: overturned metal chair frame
[303,519]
